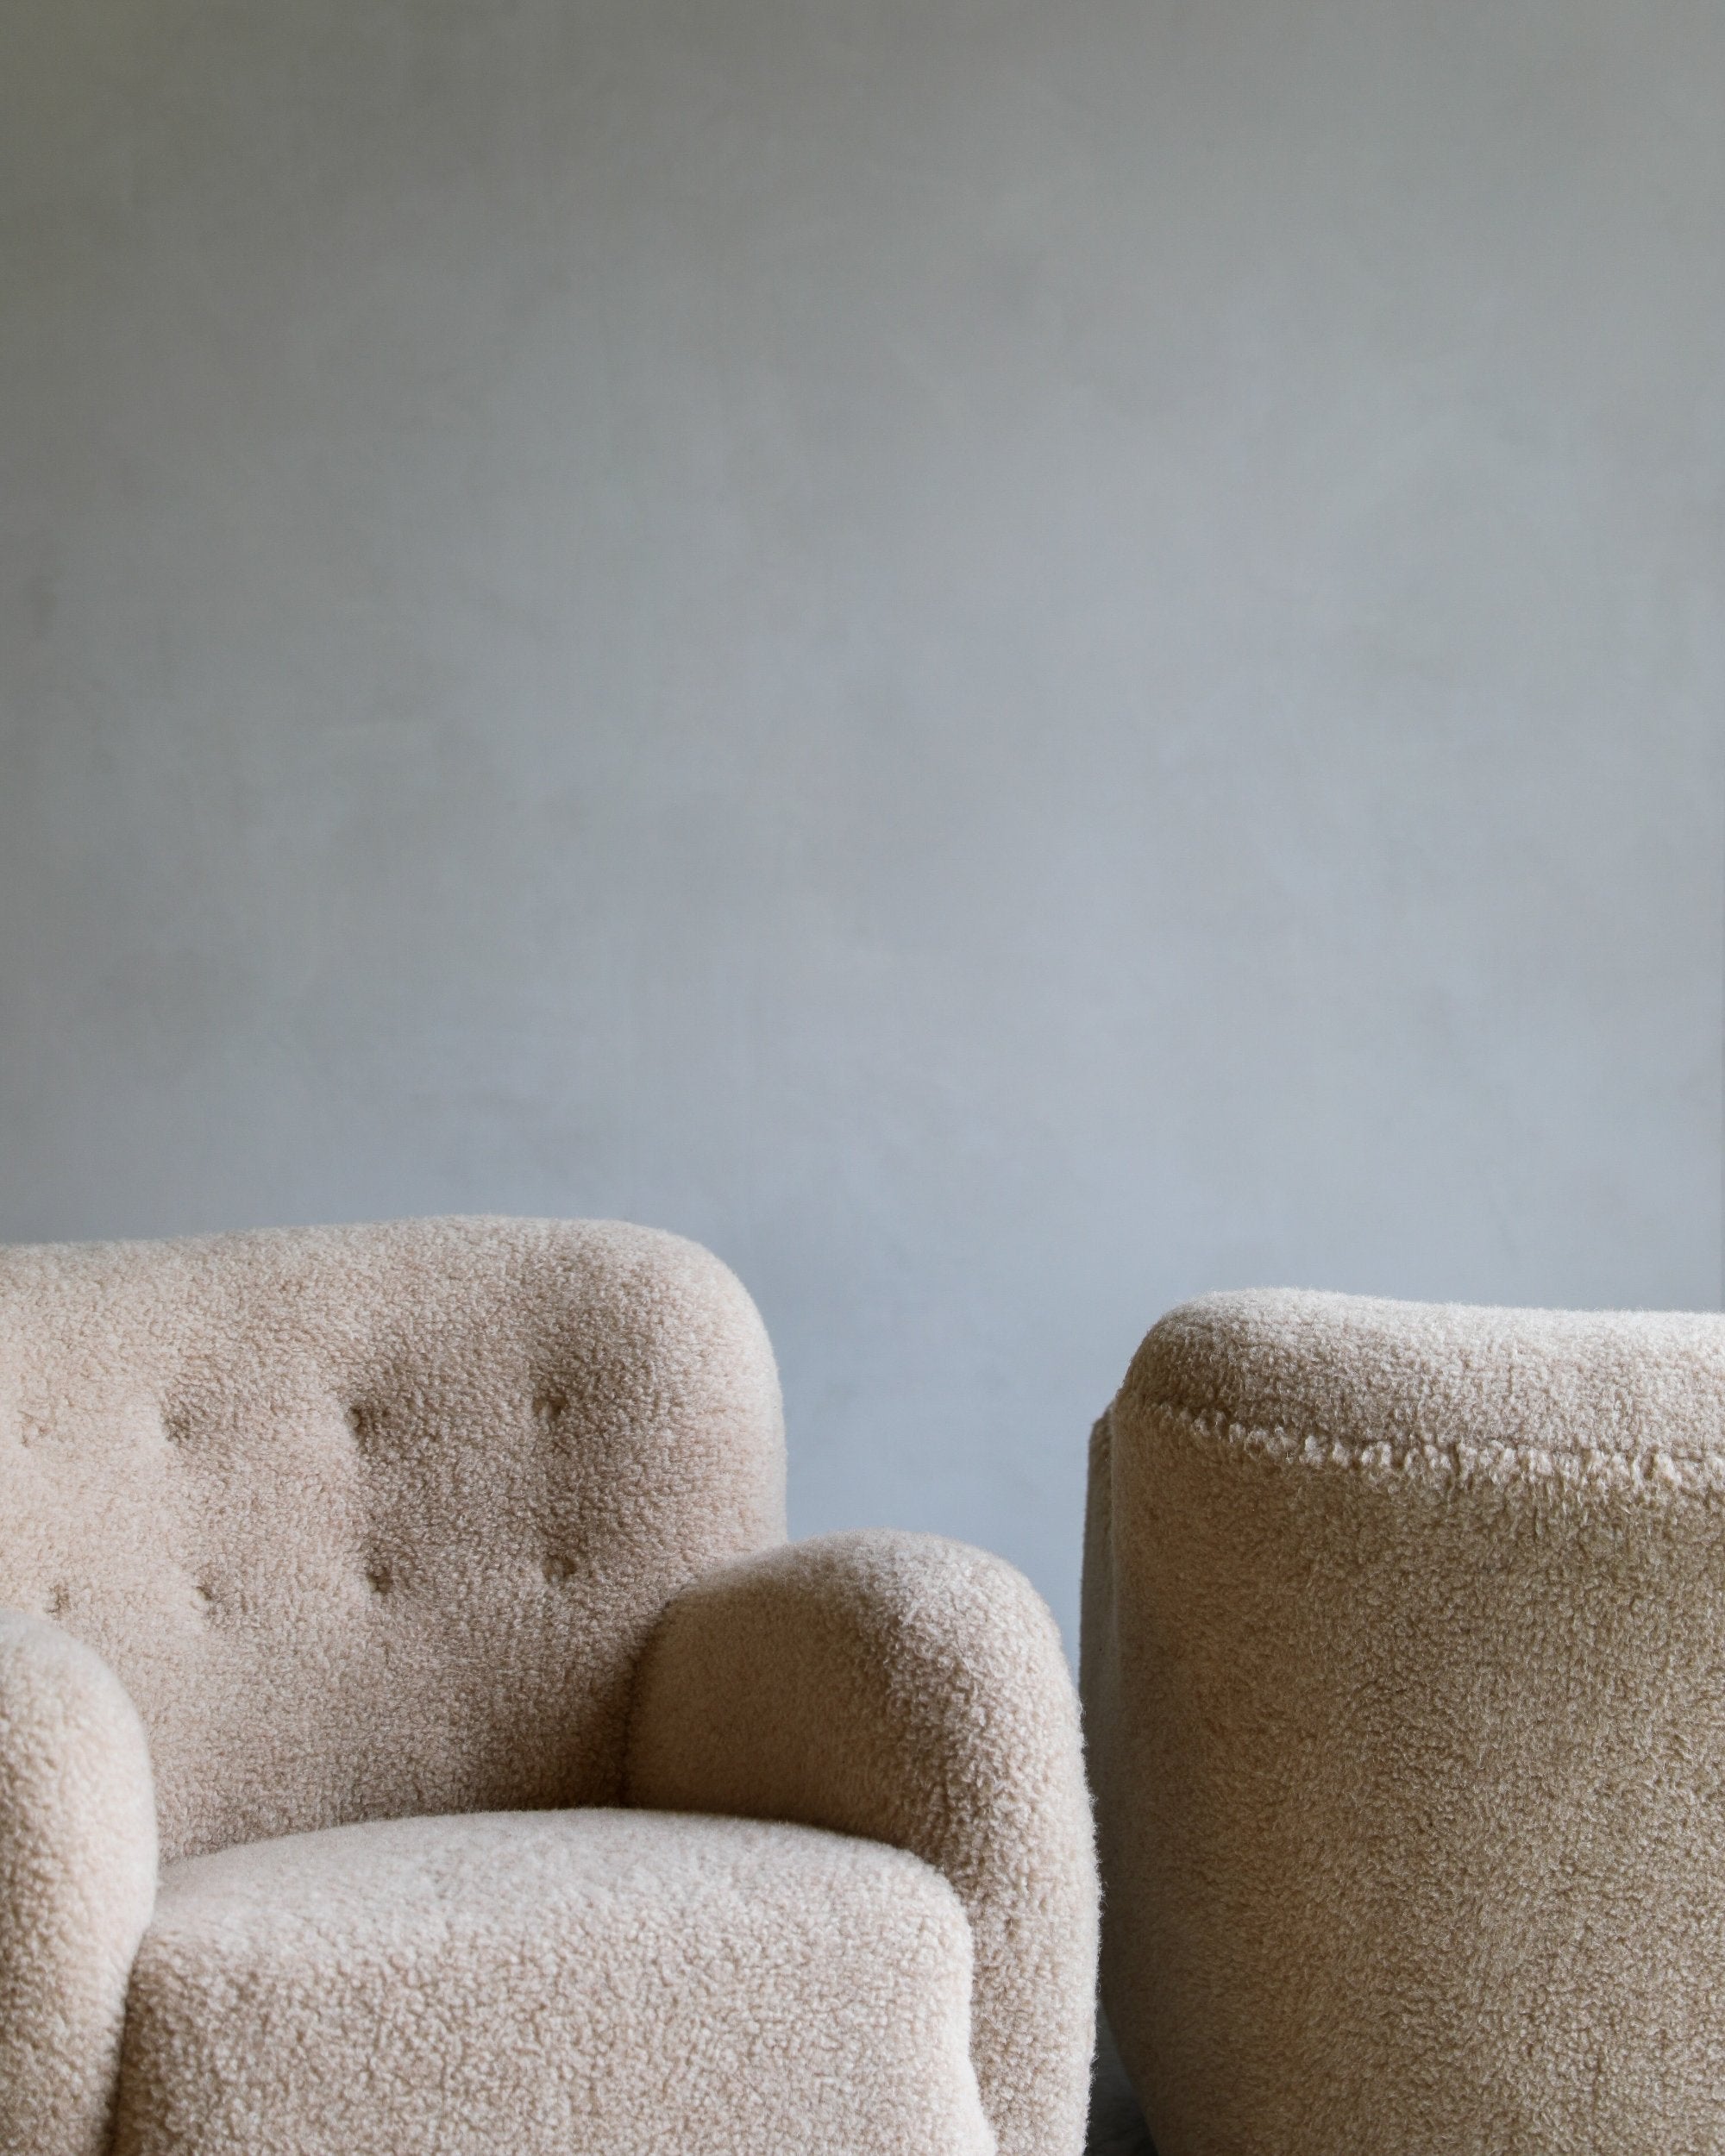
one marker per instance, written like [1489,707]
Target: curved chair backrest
[1404,1659]
[375,1520]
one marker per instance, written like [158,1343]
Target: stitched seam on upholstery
[1652,1470]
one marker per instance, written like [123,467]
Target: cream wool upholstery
[960,1745]
[556,1980]
[381,1579]
[1404,1673]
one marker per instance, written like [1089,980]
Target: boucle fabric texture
[914,1691]
[375,1520]
[334,1556]
[1404,1673]
[78,1882]
[591,1980]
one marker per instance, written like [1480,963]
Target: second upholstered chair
[418,1594]
[1404,1668]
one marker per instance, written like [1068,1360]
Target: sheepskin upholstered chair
[419,1593]
[1405,1664]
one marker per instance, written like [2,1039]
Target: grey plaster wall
[1010,659]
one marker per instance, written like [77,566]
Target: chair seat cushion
[514,1984]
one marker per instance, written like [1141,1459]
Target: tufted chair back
[375,1520]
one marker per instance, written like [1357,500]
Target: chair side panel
[1410,1758]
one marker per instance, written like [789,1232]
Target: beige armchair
[1405,1671]
[417,1596]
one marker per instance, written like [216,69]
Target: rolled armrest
[913,1691]
[78,1881]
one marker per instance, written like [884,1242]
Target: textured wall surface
[1010,661]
